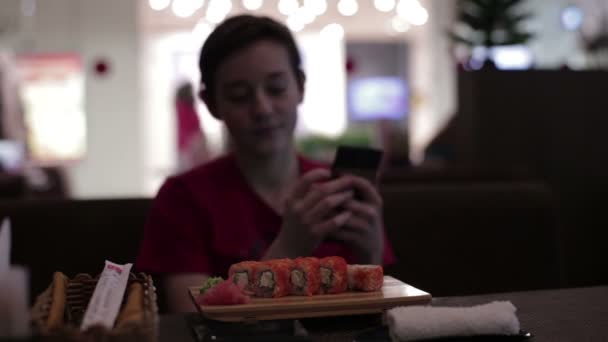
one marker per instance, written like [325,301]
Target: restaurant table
[576,314]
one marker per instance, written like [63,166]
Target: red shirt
[208,218]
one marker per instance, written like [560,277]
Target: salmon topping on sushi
[272,278]
[303,276]
[333,275]
[243,273]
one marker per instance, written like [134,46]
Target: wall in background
[433,75]
[373,59]
[96,30]
[128,155]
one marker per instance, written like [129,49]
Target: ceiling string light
[305,15]
[218,10]
[384,5]
[412,12]
[294,23]
[288,7]
[201,31]
[252,5]
[183,8]
[299,13]
[318,7]
[348,7]
[399,25]
[197,4]
[159,5]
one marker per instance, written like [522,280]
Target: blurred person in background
[191,143]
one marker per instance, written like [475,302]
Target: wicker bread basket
[78,293]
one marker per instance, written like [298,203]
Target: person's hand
[363,231]
[312,211]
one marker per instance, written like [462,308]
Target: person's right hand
[312,211]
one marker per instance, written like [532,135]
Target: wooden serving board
[393,293]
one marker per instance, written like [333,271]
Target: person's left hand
[364,230]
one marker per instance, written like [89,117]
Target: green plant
[596,45]
[319,147]
[490,23]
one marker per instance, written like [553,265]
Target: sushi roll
[272,278]
[243,274]
[305,278]
[333,275]
[365,277]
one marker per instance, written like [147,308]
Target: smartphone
[360,161]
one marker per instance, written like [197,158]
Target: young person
[262,200]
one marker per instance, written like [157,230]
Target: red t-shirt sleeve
[177,233]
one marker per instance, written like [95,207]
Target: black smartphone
[359,161]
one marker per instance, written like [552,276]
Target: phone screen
[360,161]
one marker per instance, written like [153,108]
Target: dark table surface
[579,314]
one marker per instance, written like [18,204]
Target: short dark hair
[237,33]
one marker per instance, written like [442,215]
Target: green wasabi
[209,283]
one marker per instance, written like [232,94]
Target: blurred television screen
[12,155]
[373,98]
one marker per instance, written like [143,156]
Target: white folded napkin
[411,323]
[14,312]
